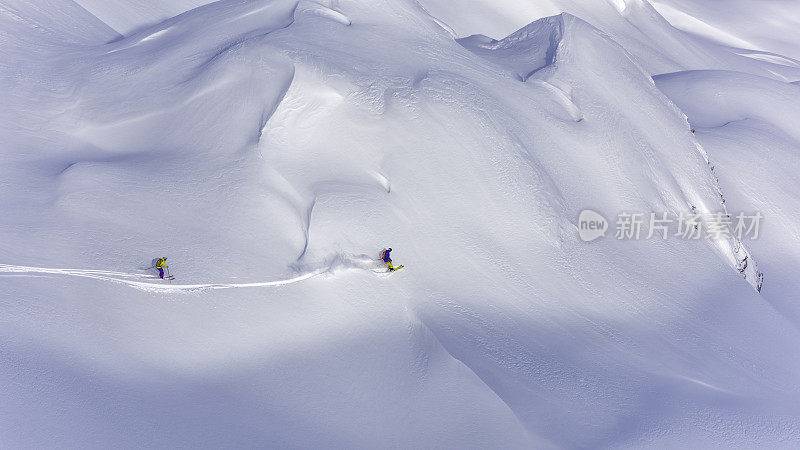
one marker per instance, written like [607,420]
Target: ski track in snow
[129,278]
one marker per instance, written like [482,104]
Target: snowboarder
[161,264]
[387,259]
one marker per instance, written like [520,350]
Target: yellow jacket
[161,263]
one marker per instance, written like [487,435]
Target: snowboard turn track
[133,280]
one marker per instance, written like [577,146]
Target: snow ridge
[526,51]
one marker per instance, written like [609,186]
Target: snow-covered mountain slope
[748,124]
[769,26]
[635,24]
[48,21]
[270,149]
[127,17]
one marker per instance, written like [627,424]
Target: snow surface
[766,25]
[271,148]
[749,124]
[127,16]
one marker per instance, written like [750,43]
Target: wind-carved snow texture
[271,148]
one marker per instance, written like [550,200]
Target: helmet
[164,258]
[390,248]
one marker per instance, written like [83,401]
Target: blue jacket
[385,256]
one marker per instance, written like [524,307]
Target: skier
[387,259]
[161,264]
